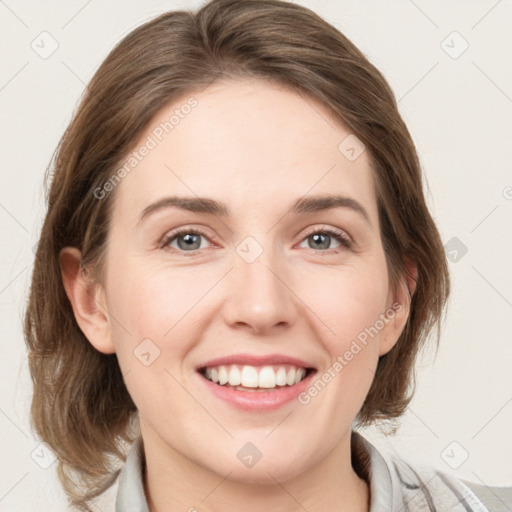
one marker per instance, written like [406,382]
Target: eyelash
[339,235]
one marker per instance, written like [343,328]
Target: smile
[253,378]
[255,387]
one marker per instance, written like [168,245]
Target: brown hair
[81,406]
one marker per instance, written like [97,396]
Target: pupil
[324,245]
[188,241]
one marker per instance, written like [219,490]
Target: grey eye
[190,241]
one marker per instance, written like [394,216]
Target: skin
[256,147]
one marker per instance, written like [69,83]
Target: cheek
[150,299]
[350,303]
[346,300]
[152,331]
[159,314]
[145,306]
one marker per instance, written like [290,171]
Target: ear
[87,300]
[399,307]
[411,271]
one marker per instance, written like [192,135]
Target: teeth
[290,378]
[281,377]
[235,378]
[249,377]
[223,375]
[266,377]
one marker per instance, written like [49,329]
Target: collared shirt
[395,486]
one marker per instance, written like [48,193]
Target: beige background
[458,106]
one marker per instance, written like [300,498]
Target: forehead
[246,143]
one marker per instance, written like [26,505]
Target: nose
[260,295]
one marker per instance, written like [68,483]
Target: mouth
[257,383]
[256,378]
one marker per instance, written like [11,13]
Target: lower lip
[258,400]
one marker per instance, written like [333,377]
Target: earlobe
[87,300]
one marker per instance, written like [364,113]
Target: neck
[174,482]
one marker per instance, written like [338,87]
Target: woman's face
[266,279]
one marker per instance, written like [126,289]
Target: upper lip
[256,360]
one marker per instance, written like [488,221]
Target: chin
[261,473]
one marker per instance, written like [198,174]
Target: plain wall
[458,107]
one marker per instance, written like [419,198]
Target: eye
[187,239]
[321,239]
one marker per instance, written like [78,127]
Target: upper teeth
[254,377]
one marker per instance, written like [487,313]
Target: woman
[237,269]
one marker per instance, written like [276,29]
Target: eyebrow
[307,204]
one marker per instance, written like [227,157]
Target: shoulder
[397,484]
[496,499]
[437,489]
[443,491]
